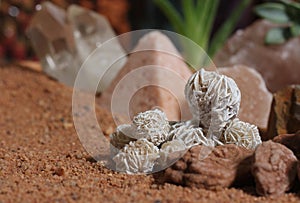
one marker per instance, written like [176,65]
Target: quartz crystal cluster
[214,101]
[64,39]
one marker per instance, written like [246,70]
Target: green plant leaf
[276,36]
[295,30]
[225,30]
[292,10]
[171,13]
[274,12]
[190,18]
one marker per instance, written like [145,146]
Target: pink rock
[154,76]
[256,99]
[279,65]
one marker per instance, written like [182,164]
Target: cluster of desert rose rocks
[217,150]
[150,140]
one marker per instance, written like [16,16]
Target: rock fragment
[204,167]
[274,168]
[256,99]
[149,76]
[291,141]
[279,65]
[285,112]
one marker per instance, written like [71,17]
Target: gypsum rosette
[242,134]
[214,101]
[148,130]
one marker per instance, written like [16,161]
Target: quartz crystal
[63,41]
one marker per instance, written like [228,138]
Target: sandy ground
[42,160]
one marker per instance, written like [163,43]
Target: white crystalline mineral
[214,99]
[92,30]
[152,125]
[121,137]
[170,151]
[190,134]
[242,134]
[137,157]
[63,41]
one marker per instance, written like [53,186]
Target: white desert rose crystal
[121,137]
[152,125]
[137,157]
[190,134]
[170,151]
[242,134]
[214,100]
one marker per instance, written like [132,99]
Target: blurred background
[124,15]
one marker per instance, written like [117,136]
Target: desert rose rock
[279,65]
[256,99]
[291,141]
[154,63]
[285,112]
[203,167]
[274,168]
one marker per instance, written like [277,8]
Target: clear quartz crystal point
[91,30]
[63,41]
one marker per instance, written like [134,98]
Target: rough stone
[279,65]
[274,168]
[154,75]
[203,167]
[285,112]
[256,99]
[291,141]
[68,38]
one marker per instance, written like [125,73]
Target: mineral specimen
[279,65]
[190,134]
[256,99]
[171,151]
[242,134]
[214,99]
[163,80]
[152,125]
[291,141]
[63,41]
[274,168]
[122,136]
[285,112]
[137,157]
[219,169]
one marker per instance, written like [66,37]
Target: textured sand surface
[42,160]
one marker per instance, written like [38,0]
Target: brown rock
[274,168]
[203,167]
[299,170]
[285,112]
[279,65]
[291,141]
[256,99]
[157,65]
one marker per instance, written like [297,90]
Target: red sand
[42,160]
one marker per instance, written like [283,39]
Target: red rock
[291,141]
[285,112]
[256,99]
[274,168]
[202,167]
[279,65]
[154,75]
